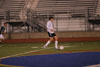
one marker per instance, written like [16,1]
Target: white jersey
[50,26]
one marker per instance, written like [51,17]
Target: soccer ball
[61,47]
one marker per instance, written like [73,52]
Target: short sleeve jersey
[2,29]
[50,26]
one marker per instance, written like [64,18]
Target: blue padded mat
[55,60]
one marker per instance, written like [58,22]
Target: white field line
[34,47]
[24,53]
[67,46]
[29,52]
[98,65]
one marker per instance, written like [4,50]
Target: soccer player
[51,33]
[2,32]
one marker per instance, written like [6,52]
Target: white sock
[56,44]
[48,42]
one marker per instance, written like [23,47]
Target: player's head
[5,24]
[51,18]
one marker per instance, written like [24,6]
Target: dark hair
[51,18]
[5,23]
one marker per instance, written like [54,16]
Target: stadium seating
[2,14]
[61,5]
[14,6]
[1,3]
[62,8]
[73,12]
[1,9]
[90,4]
[98,8]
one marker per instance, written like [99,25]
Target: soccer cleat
[56,48]
[44,46]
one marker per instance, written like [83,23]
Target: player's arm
[52,30]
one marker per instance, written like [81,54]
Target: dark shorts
[51,34]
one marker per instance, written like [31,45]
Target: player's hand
[52,30]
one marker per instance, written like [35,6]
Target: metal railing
[33,20]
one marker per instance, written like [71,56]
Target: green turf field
[27,49]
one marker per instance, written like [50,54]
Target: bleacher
[9,11]
[98,8]
[1,3]
[62,8]
[70,15]
[68,5]
[2,14]
[14,6]
[90,4]
[1,9]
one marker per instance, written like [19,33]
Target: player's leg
[48,42]
[1,41]
[50,39]
[56,42]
